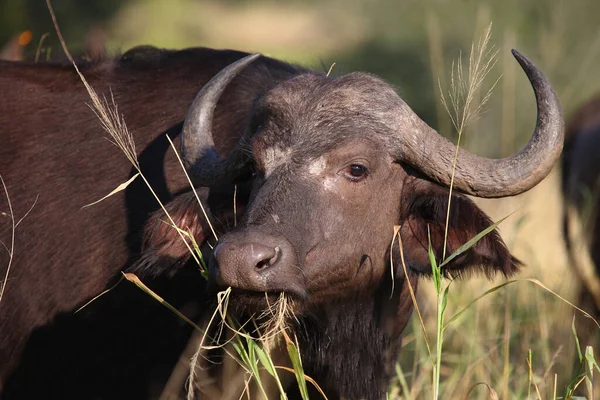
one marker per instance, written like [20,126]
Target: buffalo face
[326,193]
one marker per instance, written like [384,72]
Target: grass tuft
[460,105]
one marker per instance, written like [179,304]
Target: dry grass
[462,102]
[10,247]
[14,224]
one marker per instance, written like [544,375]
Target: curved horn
[433,155]
[197,145]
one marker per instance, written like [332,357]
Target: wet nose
[246,265]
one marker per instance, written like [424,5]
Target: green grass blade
[492,290]
[531,280]
[241,351]
[589,356]
[266,361]
[473,241]
[577,345]
[294,354]
[435,270]
[196,248]
[530,373]
[251,351]
[250,361]
[402,380]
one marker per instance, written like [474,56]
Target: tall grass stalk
[460,102]
[10,248]
[410,287]
[462,108]
[187,176]
[114,124]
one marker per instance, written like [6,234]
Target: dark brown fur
[349,327]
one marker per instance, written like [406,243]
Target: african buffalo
[323,169]
[580,173]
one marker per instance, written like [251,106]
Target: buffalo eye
[247,173]
[253,170]
[356,172]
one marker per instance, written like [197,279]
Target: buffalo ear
[163,247]
[424,208]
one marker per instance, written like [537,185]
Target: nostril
[269,260]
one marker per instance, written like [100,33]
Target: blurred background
[413,45]
[410,43]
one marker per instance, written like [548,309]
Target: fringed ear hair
[164,247]
[424,214]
